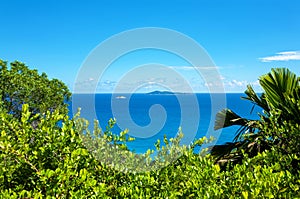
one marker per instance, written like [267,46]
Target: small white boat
[121,97]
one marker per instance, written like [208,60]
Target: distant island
[163,93]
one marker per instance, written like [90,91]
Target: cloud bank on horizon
[282,56]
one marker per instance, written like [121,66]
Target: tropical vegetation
[59,157]
[20,85]
[280,102]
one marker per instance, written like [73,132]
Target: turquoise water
[132,112]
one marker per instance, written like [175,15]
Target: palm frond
[224,149]
[278,83]
[255,99]
[292,106]
[227,117]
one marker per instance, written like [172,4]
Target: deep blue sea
[150,117]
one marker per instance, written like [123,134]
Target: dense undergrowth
[48,155]
[52,161]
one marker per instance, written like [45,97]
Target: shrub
[52,161]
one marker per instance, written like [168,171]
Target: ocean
[149,117]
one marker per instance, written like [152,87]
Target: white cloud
[282,56]
[236,83]
[87,82]
[107,84]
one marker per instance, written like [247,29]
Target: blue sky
[245,39]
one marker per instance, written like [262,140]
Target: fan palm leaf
[277,84]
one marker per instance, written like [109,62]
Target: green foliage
[60,158]
[279,85]
[280,102]
[283,136]
[20,85]
[47,160]
[52,161]
[111,149]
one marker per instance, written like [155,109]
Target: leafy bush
[52,161]
[47,160]
[61,158]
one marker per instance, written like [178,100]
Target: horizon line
[163,91]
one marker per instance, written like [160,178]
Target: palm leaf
[291,109]
[219,151]
[226,118]
[278,83]
[255,99]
